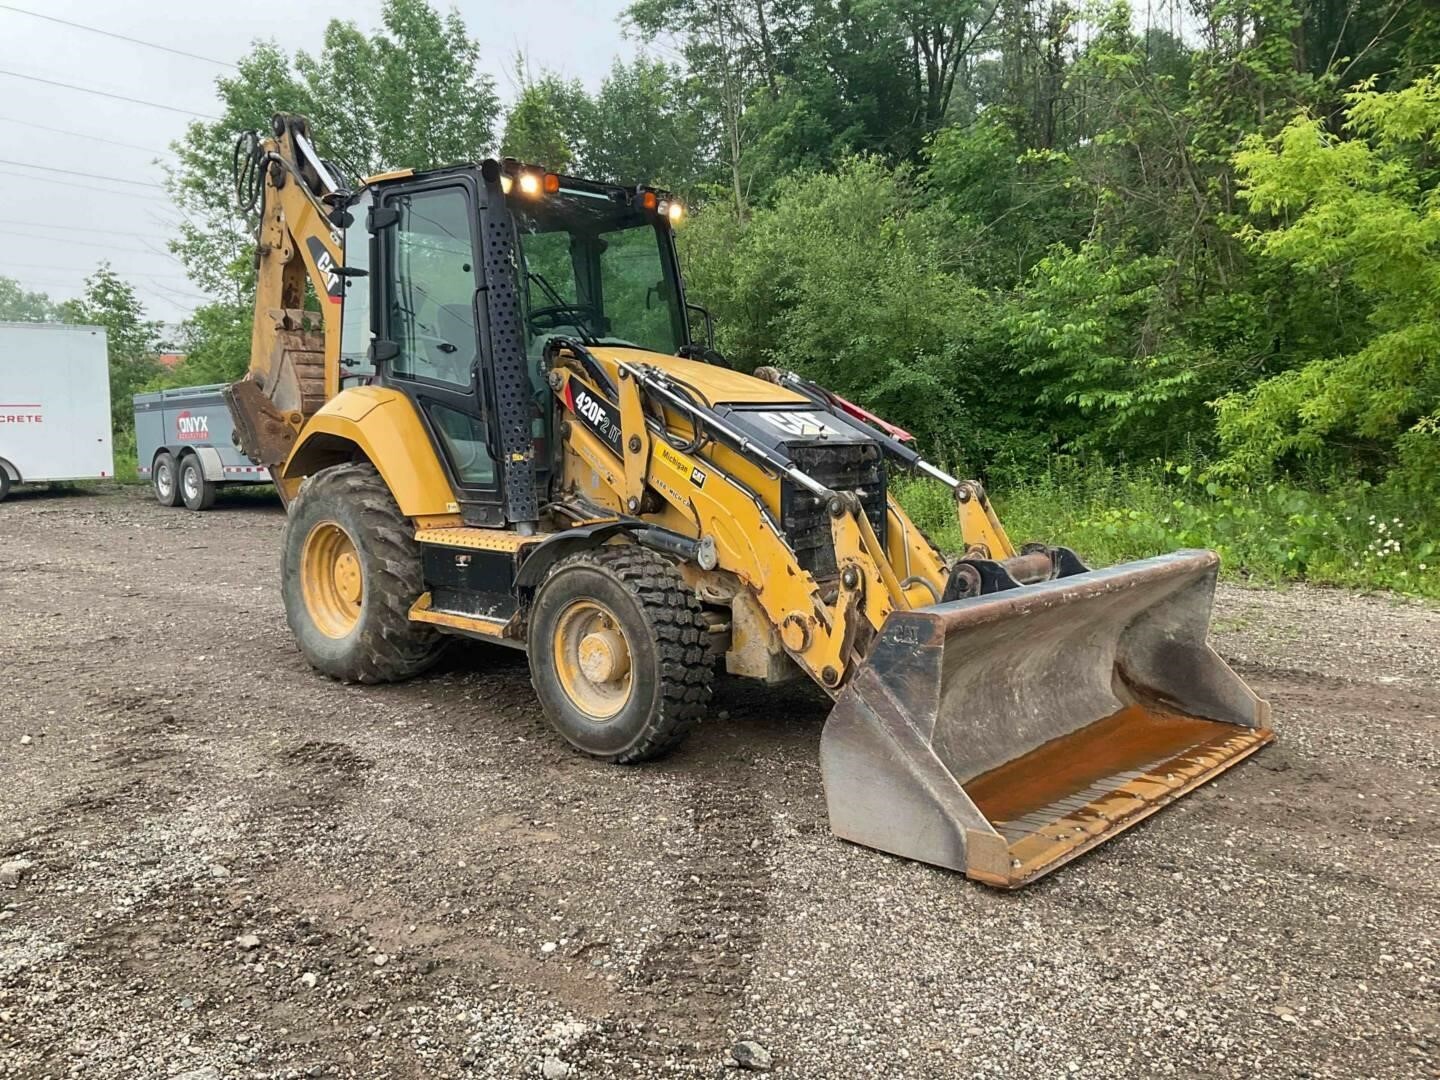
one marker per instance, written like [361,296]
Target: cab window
[432,305]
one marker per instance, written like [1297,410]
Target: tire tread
[393,648]
[673,612]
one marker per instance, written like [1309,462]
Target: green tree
[410,94]
[549,123]
[729,53]
[433,105]
[18,304]
[844,279]
[131,339]
[1355,216]
[216,343]
[646,126]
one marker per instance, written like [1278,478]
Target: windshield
[597,271]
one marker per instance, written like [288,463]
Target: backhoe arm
[294,353]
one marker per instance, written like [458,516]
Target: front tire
[351,572]
[164,481]
[617,655]
[195,491]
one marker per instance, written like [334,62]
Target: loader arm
[294,353]
[823,630]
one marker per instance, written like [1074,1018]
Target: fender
[540,558]
[552,549]
[211,464]
[381,424]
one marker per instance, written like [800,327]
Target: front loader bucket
[1005,734]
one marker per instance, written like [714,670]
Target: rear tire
[196,492]
[617,655]
[351,572]
[4,483]
[164,480]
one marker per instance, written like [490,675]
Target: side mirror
[709,324]
[381,217]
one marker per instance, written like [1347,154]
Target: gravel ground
[240,869]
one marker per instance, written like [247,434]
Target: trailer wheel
[4,483]
[164,481]
[197,492]
[617,655]
[352,571]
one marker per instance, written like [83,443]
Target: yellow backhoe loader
[500,425]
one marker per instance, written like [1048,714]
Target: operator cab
[470,274]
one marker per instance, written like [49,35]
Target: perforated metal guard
[512,380]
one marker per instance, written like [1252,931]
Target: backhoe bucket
[1005,734]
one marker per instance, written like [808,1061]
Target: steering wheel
[556,315]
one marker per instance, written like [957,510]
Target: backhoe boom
[294,352]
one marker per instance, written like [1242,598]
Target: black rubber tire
[164,460]
[384,646]
[4,483]
[204,489]
[671,669]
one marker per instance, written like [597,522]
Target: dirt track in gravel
[188,781]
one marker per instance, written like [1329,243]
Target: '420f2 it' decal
[595,413]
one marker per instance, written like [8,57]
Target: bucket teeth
[1005,734]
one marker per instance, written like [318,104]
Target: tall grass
[126,470]
[1357,537]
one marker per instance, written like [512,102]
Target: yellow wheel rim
[332,580]
[592,659]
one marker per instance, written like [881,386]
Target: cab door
[428,299]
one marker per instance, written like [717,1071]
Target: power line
[121,37]
[152,289]
[188,309]
[77,172]
[80,134]
[7,263]
[31,282]
[108,94]
[178,292]
[84,187]
[106,244]
[77,228]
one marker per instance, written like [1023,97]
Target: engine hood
[720,386]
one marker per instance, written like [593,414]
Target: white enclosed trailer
[54,404]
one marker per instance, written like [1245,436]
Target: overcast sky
[51,232]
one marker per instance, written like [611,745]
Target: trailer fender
[380,425]
[10,471]
[211,464]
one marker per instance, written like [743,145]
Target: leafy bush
[1270,532]
[1360,215]
[848,280]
